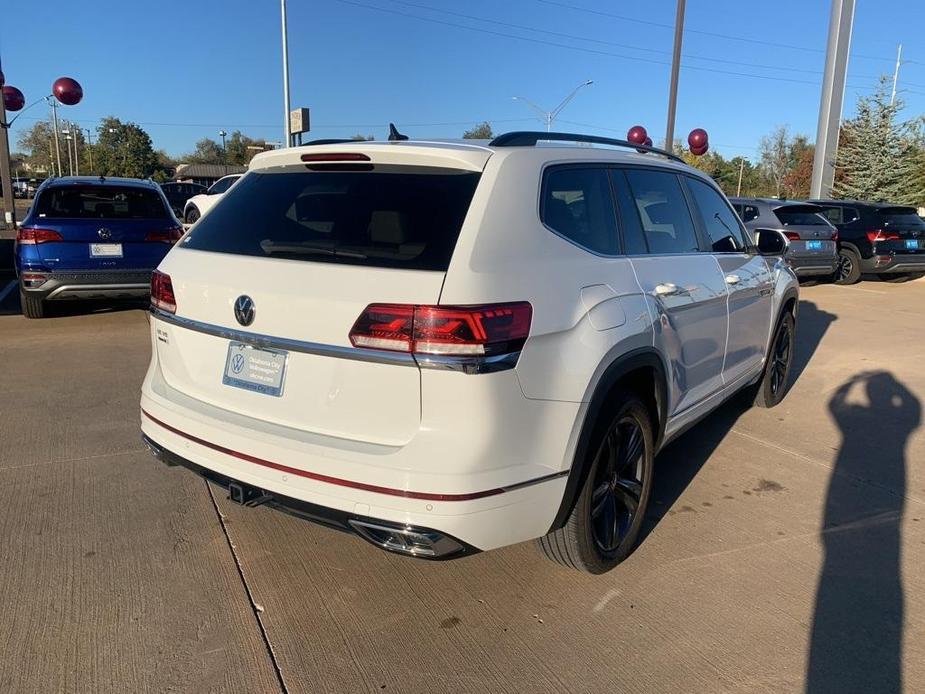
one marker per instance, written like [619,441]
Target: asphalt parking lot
[785,550]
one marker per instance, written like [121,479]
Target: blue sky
[184,70]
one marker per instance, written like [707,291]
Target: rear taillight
[171,235]
[792,235]
[31,280]
[481,330]
[162,295]
[30,237]
[881,235]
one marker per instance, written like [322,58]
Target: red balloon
[13,99]
[68,91]
[637,135]
[700,151]
[697,138]
[648,142]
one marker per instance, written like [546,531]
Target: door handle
[667,289]
[733,279]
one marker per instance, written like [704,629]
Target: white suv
[449,347]
[198,205]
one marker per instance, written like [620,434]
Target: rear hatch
[312,246]
[811,235]
[901,231]
[95,226]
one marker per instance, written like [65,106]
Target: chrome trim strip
[536,480]
[84,288]
[463,364]
[378,356]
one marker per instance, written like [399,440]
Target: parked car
[91,238]
[199,204]
[179,193]
[813,248]
[877,238]
[447,348]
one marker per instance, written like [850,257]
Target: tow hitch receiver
[247,495]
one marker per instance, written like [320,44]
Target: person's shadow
[856,641]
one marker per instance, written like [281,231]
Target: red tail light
[446,330]
[30,237]
[162,295]
[881,235]
[171,235]
[792,235]
[335,156]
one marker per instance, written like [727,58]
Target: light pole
[675,70]
[287,129]
[549,116]
[67,144]
[90,146]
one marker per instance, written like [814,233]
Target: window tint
[100,202]
[794,214]
[905,217]
[400,220]
[222,185]
[663,213]
[634,241]
[840,215]
[721,223]
[577,204]
[749,213]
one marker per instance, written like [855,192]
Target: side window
[662,211]
[722,226]
[833,214]
[750,212]
[634,240]
[577,204]
[221,186]
[849,214]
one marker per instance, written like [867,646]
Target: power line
[343,126]
[728,37]
[575,37]
[814,83]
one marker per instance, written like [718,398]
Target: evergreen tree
[877,154]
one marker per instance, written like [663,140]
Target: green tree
[207,152]
[362,138]
[123,149]
[480,132]
[878,156]
[38,142]
[237,149]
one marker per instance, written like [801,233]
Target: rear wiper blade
[271,248]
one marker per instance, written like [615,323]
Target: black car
[178,193]
[877,238]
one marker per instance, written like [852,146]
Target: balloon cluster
[66,90]
[697,139]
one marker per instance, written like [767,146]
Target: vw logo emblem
[104,234]
[237,363]
[244,309]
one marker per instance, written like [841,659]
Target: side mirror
[772,242]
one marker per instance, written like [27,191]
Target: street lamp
[549,116]
[65,90]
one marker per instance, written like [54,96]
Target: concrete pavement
[784,551]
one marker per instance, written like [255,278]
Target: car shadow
[680,461]
[10,306]
[856,642]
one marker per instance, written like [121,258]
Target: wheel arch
[643,372]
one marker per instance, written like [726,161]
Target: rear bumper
[807,267]
[443,546]
[121,284]
[894,263]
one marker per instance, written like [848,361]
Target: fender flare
[645,357]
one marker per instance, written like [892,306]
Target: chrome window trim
[462,364]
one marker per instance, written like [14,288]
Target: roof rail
[530,138]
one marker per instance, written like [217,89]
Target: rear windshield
[901,216]
[397,220]
[804,216]
[100,202]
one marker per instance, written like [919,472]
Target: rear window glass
[397,220]
[100,202]
[901,216]
[801,216]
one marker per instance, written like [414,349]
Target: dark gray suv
[813,248]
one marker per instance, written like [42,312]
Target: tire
[603,527]
[849,267]
[32,306]
[902,277]
[771,389]
[192,214]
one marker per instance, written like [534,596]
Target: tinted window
[749,213]
[100,202]
[799,215]
[222,185]
[577,204]
[663,213]
[634,241]
[719,221]
[901,217]
[402,220]
[840,215]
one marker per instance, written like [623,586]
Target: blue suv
[92,238]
